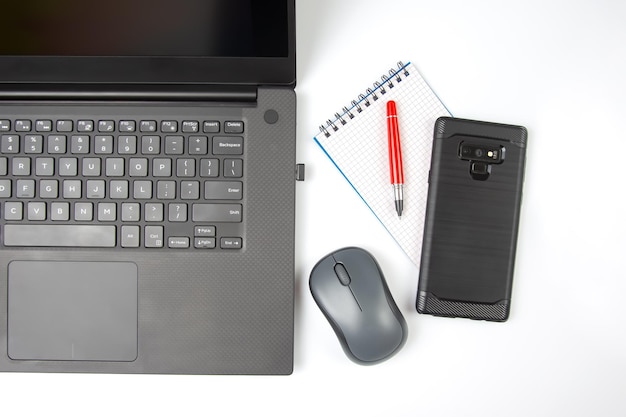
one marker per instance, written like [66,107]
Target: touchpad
[72,311]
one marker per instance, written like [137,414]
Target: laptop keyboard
[158,183]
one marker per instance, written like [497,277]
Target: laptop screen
[148,41]
[198,28]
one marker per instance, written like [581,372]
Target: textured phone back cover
[204,312]
[471,226]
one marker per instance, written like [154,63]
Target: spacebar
[59,235]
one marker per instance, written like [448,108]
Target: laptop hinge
[141,92]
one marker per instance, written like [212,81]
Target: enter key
[223,190]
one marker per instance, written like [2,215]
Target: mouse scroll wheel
[342,274]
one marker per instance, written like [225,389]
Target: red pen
[395,155]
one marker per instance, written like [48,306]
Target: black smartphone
[472,218]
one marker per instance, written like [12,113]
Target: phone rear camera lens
[479,153]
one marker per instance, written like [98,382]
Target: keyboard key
[216,213]
[222,190]
[185,167]
[106,126]
[107,212]
[154,212]
[21,166]
[130,212]
[44,167]
[130,237]
[95,189]
[138,167]
[166,190]
[60,211]
[178,242]
[177,212]
[13,210]
[36,211]
[174,145]
[162,167]
[233,168]
[169,126]
[198,145]
[10,144]
[142,190]
[80,144]
[91,167]
[153,237]
[147,126]
[72,189]
[68,167]
[43,125]
[5,125]
[25,188]
[150,145]
[204,243]
[230,243]
[23,125]
[84,126]
[103,144]
[211,126]
[127,126]
[57,144]
[114,167]
[64,126]
[209,167]
[204,231]
[190,190]
[59,235]
[233,127]
[33,144]
[5,188]
[3,166]
[227,145]
[83,212]
[48,188]
[118,189]
[127,145]
[190,126]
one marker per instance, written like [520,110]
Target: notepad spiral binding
[363,100]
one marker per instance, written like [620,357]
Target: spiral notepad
[355,140]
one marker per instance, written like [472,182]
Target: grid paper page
[359,149]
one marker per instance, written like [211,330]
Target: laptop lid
[147,42]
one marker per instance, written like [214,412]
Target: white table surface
[556,67]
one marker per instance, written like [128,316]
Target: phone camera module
[475,152]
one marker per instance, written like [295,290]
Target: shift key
[210,213]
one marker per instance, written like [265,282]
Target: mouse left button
[342,274]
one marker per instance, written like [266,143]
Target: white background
[556,67]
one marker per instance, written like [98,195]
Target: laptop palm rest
[72,311]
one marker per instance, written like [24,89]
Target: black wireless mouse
[350,289]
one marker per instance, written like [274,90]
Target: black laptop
[147,186]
